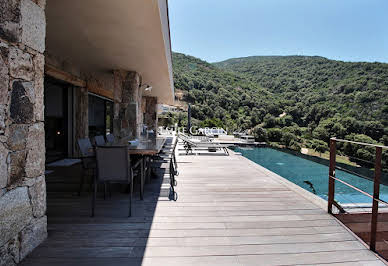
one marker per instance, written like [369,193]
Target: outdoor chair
[113,166]
[88,159]
[110,138]
[174,164]
[99,140]
[170,164]
[189,144]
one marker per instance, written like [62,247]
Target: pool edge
[299,190]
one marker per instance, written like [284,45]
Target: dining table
[145,149]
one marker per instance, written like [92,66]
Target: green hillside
[291,100]
[359,90]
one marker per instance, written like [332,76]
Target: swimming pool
[312,176]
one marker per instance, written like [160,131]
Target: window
[100,116]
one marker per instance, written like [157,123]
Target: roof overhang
[101,35]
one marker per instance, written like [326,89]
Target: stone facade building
[42,42]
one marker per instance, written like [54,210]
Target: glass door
[56,119]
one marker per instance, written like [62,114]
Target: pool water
[312,176]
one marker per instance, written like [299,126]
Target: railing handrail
[376,184]
[359,190]
[360,143]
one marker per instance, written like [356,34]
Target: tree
[328,128]
[210,123]
[260,133]
[274,134]
[319,146]
[287,138]
[361,154]
[294,145]
[269,121]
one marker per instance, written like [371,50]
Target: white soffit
[101,35]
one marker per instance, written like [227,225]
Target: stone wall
[128,119]
[22,151]
[150,112]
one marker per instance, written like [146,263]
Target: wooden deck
[229,212]
[360,224]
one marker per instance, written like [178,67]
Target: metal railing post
[375,203]
[330,199]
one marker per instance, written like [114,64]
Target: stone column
[127,105]
[150,114]
[22,150]
[81,114]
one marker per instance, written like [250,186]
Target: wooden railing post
[330,195]
[375,203]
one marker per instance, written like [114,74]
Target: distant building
[164,108]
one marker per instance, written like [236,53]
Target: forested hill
[356,89]
[216,93]
[310,97]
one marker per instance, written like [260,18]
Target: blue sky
[215,30]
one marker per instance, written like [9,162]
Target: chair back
[186,139]
[85,147]
[112,163]
[100,141]
[110,138]
[175,144]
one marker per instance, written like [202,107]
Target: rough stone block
[35,151]
[9,253]
[17,137]
[17,166]
[3,166]
[32,235]
[15,213]
[21,107]
[4,78]
[39,87]
[38,197]
[10,20]
[3,117]
[20,64]
[40,3]
[33,24]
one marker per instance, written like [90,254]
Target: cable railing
[376,184]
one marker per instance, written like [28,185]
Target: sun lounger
[190,144]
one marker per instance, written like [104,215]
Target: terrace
[101,67]
[229,211]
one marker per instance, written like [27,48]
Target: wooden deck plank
[199,241]
[310,258]
[202,250]
[228,212]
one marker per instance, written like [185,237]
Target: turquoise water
[298,170]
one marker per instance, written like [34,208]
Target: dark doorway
[56,113]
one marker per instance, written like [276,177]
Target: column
[150,114]
[127,104]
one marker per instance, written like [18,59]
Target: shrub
[287,138]
[274,134]
[319,146]
[260,133]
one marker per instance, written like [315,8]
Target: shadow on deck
[109,238]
